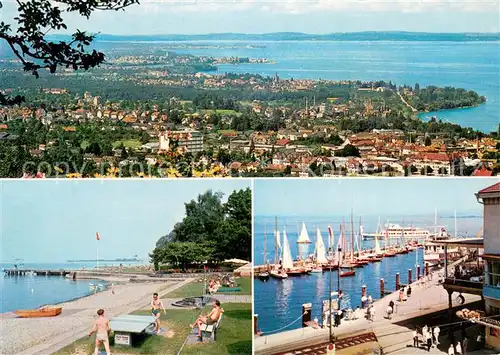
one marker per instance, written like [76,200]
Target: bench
[212,328]
[126,326]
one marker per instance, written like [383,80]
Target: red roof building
[491,189]
[283,142]
[482,172]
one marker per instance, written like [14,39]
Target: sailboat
[334,263]
[362,257]
[277,272]
[349,266]
[264,275]
[319,252]
[377,254]
[388,252]
[303,236]
[288,260]
[402,249]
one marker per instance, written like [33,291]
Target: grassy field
[234,336]
[196,289]
[223,112]
[128,143]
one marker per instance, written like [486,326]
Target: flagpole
[97,254]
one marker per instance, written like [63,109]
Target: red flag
[98,237]
[330,231]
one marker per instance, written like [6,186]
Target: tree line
[211,231]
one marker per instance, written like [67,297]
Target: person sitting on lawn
[209,319]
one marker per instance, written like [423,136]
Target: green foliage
[211,231]
[433,98]
[348,151]
[30,45]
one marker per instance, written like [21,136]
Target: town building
[489,197]
[189,140]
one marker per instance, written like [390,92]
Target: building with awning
[485,254]
[489,197]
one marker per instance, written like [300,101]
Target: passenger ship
[395,231]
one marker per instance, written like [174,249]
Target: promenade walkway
[41,336]
[427,297]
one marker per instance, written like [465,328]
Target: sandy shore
[38,335]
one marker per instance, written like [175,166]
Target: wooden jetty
[36,272]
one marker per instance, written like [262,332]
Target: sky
[310,16]
[56,221]
[366,196]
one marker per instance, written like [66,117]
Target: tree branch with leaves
[36,19]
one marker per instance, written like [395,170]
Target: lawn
[196,289]
[234,336]
[128,143]
[223,112]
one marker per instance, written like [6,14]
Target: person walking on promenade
[451,351]
[436,332]
[428,339]
[466,344]
[415,338]
[458,348]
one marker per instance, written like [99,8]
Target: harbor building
[189,140]
[489,197]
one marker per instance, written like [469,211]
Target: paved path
[427,297]
[407,104]
[42,336]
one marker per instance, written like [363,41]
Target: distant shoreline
[297,36]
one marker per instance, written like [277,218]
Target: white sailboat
[277,272]
[319,252]
[331,238]
[303,236]
[287,254]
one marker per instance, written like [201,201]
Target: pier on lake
[36,272]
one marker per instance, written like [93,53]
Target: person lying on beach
[156,303]
[209,319]
[102,329]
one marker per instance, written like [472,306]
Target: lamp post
[330,261]
[339,250]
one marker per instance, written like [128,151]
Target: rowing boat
[37,313]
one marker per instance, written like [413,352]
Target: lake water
[470,65]
[29,292]
[279,303]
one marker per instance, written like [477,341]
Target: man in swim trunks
[156,303]
[101,327]
[209,319]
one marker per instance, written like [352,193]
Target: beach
[45,335]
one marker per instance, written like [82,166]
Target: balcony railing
[464,283]
[491,291]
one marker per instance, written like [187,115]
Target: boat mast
[265,241]
[455,223]
[276,240]
[435,221]
[359,237]
[352,239]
